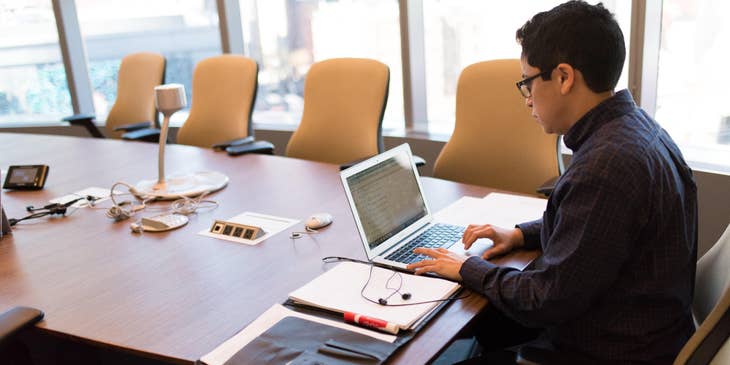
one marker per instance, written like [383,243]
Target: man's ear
[566,76]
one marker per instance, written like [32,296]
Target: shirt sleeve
[531,233]
[594,225]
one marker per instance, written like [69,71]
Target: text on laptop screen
[387,198]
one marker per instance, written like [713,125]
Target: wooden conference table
[175,296]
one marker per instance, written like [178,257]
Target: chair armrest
[17,319]
[548,186]
[419,161]
[145,135]
[260,147]
[79,117]
[133,126]
[86,121]
[233,142]
[347,165]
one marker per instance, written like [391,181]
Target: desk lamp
[170,98]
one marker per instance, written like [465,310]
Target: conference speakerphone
[236,230]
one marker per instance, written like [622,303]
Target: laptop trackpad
[476,249]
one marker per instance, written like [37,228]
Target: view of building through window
[692,87]
[287,36]
[183,31]
[460,33]
[33,83]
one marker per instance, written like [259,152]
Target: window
[692,82]
[183,31]
[457,34]
[287,36]
[33,85]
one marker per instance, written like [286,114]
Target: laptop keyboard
[439,235]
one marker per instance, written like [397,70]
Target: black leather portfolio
[298,341]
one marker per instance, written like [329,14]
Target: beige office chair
[134,107]
[344,101]
[496,143]
[710,345]
[224,92]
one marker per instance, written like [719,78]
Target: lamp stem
[161,155]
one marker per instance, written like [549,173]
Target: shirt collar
[619,104]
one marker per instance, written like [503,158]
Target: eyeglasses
[525,85]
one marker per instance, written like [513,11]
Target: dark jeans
[496,334]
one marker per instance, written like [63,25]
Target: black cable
[50,209]
[405,296]
[378,302]
[14,221]
[331,259]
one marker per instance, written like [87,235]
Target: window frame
[643,58]
[73,54]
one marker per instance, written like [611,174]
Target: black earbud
[384,301]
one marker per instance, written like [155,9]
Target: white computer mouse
[318,220]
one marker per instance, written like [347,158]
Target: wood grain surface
[177,295]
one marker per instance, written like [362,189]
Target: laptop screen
[387,198]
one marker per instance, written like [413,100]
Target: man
[618,237]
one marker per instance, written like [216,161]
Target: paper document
[269,223]
[339,290]
[503,210]
[226,350]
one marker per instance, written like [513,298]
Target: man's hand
[505,239]
[443,262]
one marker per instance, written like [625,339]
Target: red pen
[371,322]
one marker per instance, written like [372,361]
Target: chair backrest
[223,96]
[344,102]
[496,143]
[710,308]
[139,73]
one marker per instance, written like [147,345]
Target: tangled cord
[187,206]
[118,211]
[184,205]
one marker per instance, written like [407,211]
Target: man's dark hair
[584,36]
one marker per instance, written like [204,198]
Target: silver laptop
[391,213]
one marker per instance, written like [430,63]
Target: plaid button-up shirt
[619,242]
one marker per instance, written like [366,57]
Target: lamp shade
[170,98]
